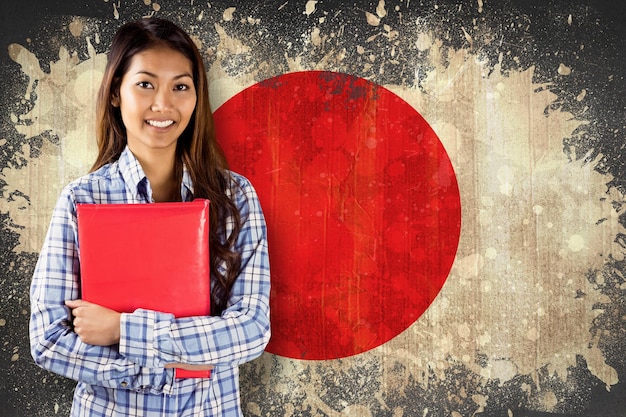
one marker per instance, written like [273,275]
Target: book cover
[152,256]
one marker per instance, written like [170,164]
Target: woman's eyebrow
[150,74]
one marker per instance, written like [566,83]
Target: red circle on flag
[361,202]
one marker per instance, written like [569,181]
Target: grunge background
[526,96]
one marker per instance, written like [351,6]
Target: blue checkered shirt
[129,379]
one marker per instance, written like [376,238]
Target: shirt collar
[137,182]
[186,188]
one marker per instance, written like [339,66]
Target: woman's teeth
[157,123]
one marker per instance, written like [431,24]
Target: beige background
[526,100]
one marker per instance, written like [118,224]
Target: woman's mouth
[160,123]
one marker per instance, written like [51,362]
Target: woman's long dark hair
[197,148]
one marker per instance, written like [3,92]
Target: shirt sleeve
[54,345]
[239,335]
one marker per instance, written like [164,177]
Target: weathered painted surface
[527,100]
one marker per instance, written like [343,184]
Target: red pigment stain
[362,207]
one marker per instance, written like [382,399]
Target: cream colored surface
[534,222]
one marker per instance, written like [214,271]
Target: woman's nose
[162,100]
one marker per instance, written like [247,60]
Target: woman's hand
[95,324]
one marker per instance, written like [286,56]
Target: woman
[156,144]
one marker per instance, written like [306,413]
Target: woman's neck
[159,170]
[164,188]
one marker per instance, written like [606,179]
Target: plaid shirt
[129,379]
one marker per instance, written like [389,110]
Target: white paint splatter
[65,106]
[309,8]
[372,19]
[380,9]
[228,14]
[564,70]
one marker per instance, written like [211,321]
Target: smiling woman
[156,143]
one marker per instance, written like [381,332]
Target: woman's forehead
[160,60]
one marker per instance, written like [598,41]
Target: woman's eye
[144,84]
[181,87]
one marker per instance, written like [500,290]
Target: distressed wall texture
[527,99]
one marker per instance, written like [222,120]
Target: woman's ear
[115,92]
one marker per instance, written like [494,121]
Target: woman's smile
[160,123]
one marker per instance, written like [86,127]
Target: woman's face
[157,98]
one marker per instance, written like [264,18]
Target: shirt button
[124,384]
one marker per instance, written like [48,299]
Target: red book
[153,256]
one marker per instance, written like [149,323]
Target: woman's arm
[239,335]
[100,326]
[54,344]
